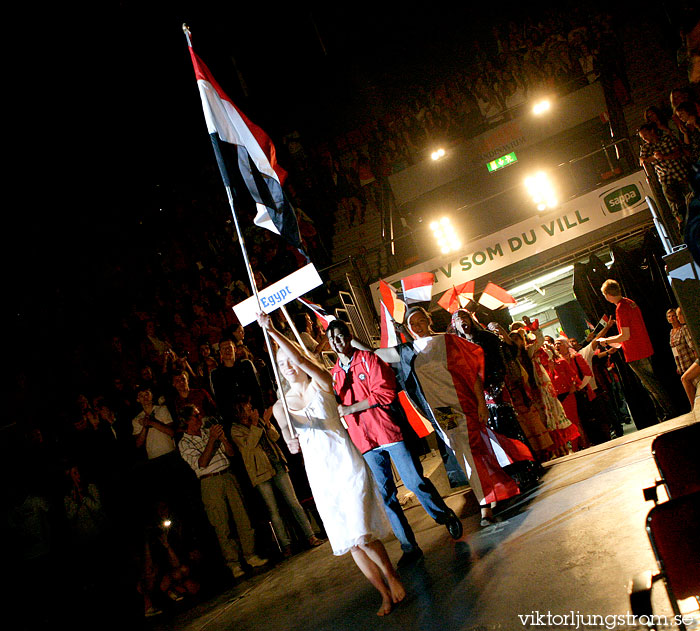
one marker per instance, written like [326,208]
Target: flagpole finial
[188,33]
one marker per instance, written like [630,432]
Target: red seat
[677,456]
[673,528]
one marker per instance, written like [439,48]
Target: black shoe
[408,558]
[454,526]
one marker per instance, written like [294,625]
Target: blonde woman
[341,482]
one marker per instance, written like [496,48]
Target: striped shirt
[192,447]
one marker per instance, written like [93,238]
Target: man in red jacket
[636,345]
[366,387]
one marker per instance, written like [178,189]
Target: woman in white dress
[341,483]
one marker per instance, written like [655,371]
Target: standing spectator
[205,365]
[665,153]
[153,426]
[680,342]
[688,113]
[184,395]
[207,452]
[636,345]
[231,380]
[691,377]
[266,466]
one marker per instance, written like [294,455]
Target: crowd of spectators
[97,472]
[670,146]
[521,60]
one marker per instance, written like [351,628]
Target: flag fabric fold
[494,297]
[457,297]
[242,146]
[395,307]
[418,287]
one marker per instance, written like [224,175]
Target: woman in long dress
[341,483]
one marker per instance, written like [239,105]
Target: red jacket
[368,377]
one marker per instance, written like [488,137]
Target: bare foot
[386,605]
[398,592]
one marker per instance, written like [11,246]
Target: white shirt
[157,443]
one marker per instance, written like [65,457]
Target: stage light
[541,107]
[541,190]
[445,235]
[437,154]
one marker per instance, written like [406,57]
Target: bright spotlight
[541,107]
[541,190]
[445,236]
[437,154]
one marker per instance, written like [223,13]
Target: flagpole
[251,278]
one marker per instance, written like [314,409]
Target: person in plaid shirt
[672,167]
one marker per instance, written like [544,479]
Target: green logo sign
[501,162]
[624,197]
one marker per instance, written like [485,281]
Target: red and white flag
[418,287]
[388,335]
[457,297]
[395,307]
[495,297]
[322,315]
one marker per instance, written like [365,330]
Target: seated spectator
[173,552]
[256,439]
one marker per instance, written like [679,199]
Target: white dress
[341,482]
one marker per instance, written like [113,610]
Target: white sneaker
[236,570]
[255,561]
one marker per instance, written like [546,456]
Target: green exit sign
[501,162]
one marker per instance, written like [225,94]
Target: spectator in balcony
[688,113]
[656,116]
[672,167]
[488,102]
[588,61]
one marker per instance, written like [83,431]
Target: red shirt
[368,377]
[629,315]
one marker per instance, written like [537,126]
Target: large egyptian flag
[242,146]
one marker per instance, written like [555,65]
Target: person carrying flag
[443,376]
[366,387]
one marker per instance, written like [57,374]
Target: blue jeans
[411,471]
[284,484]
